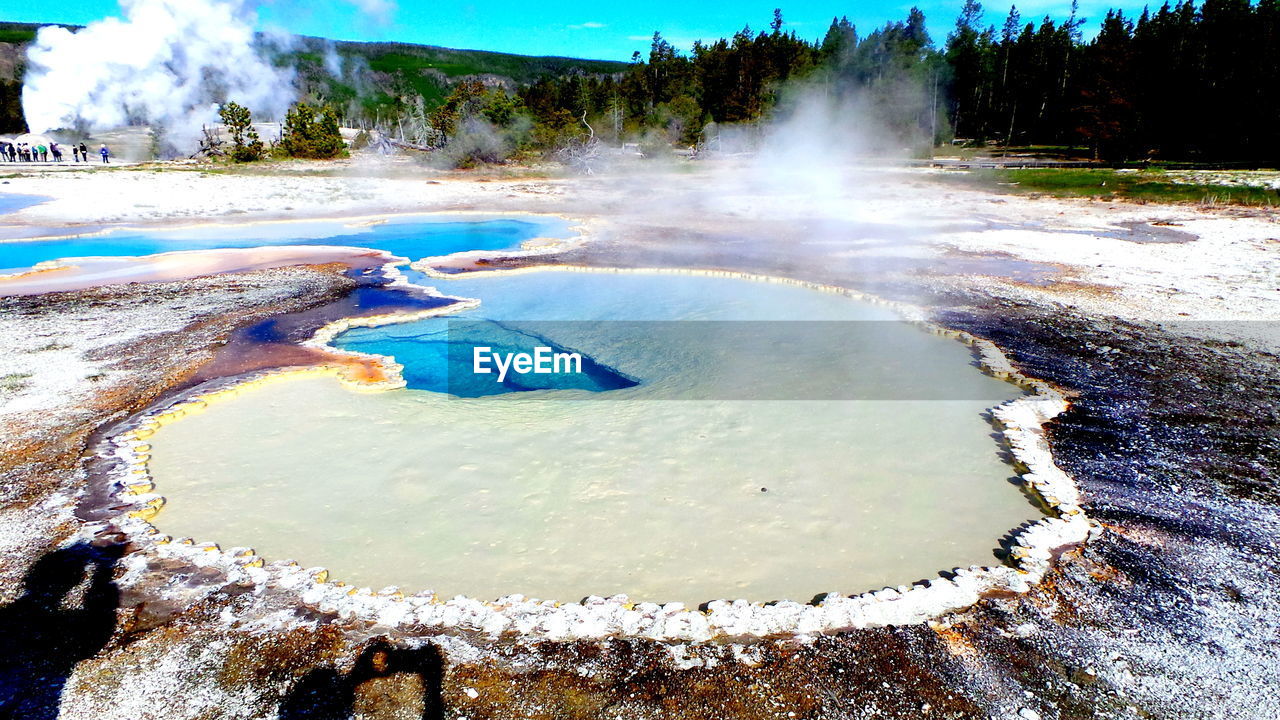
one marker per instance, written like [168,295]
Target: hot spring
[413,236]
[727,439]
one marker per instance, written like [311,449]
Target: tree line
[1183,82]
[308,131]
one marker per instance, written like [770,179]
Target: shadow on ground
[384,678]
[66,613]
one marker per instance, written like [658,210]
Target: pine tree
[246,146]
[312,132]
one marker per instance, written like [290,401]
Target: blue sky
[573,28]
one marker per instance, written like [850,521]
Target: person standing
[42,153]
[84,152]
[106,154]
[57,152]
[75,152]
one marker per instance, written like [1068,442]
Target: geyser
[168,63]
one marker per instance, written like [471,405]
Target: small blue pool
[10,202]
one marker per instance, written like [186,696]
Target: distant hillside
[380,74]
[457,63]
[374,75]
[20,33]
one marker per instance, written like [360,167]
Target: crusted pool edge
[1020,422]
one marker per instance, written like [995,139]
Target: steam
[811,159]
[810,145]
[167,63]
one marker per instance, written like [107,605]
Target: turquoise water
[607,319]
[676,337]
[437,356]
[413,237]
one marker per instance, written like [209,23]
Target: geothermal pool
[765,442]
[412,236]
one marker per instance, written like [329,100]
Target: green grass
[13,382]
[412,59]
[54,345]
[15,36]
[1143,186]
[409,71]
[17,33]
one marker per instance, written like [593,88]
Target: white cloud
[376,10]
[592,25]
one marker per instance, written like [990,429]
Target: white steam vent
[167,63]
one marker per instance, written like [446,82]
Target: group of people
[26,152]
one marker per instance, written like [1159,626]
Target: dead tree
[409,146]
[210,144]
[581,153]
[414,130]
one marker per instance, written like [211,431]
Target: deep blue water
[295,327]
[437,357]
[629,329]
[10,202]
[413,238]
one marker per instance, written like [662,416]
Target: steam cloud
[168,63]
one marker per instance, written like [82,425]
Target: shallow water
[10,202]
[413,237]
[637,490]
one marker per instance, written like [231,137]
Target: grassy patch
[18,33]
[13,382]
[1143,186]
[15,36]
[53,345]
